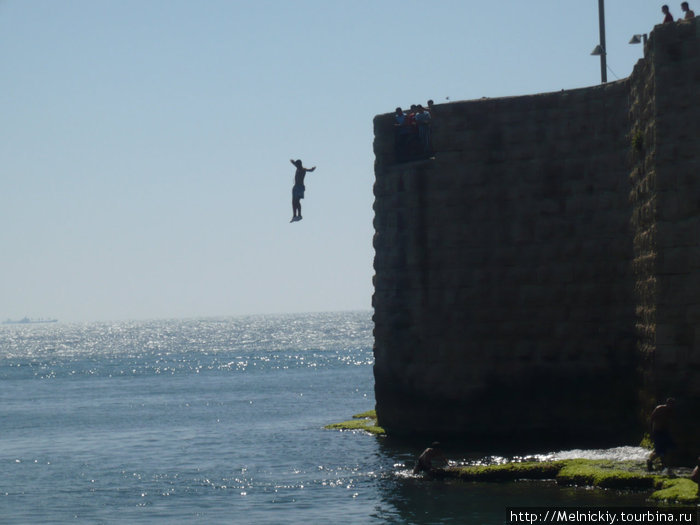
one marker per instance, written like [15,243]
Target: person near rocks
[689,13]
[668,17]
[695,474]
[660,419]
[430,460]
[299,188]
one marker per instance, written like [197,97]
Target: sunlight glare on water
[213,421]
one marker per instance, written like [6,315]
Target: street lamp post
[603,52]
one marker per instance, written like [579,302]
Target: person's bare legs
[296,208]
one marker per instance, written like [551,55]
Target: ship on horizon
[27,320]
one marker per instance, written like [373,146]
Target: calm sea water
[217,421]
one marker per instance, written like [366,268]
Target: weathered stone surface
[547,253]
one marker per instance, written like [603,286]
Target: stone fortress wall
[539,277]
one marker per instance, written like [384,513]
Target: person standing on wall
[423,122]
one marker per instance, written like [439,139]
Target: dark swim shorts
[298,191]
[663,442]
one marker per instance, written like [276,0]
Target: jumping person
[298,189]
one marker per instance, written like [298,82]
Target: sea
[221,420]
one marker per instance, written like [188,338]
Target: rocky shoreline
[601,473]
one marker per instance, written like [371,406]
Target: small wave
[615,454]
[626,453]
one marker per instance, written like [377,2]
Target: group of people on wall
[668,17]
[413,132]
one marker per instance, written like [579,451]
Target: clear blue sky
[145,145]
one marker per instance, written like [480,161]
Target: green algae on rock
[606,474]
[506,471]
[679,490]
[366,421]
[601,473]
[369,414]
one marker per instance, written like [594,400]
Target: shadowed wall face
[665,195]
[504,287]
